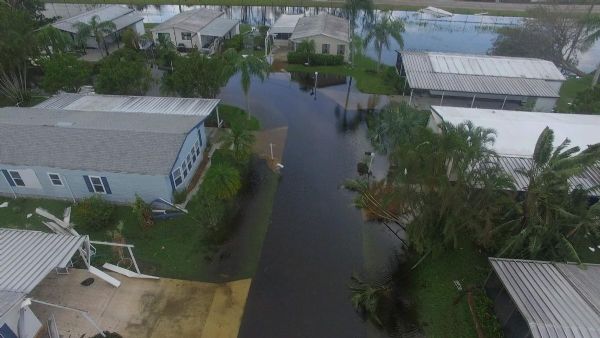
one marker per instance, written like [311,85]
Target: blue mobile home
[73,146]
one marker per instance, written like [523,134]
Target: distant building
[517,133]
[540,299]
[121,16]
[331,34]
[73,146]
[202,29]
[282,29]
[478,78]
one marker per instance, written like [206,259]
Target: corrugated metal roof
[132,104]
[285,24]
[121,16]
[494,66]
[218,27]
[139,143]
[471,74]
[516,166]
[28,256]
[8,299]
[517,131]
[552,297]
[192,21]
[322,24]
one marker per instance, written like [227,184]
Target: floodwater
[459,33]
[316,239]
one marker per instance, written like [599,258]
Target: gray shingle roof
[218,27]
[28,256]
[480,74]
[121,16]
[285,24]
[555,299]
[100,141]
[322,24]
[193,20]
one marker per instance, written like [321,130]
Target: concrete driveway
[143,308]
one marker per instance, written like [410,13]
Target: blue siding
[186,149]
[123,186]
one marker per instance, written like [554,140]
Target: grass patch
[443,311]
[364,73]
[569,91]
[231,115]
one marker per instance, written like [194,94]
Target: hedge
[315,59]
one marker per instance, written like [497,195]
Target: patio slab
[143,308]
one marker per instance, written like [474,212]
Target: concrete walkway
[143,308]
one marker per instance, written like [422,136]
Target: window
[194,153]
[177,177]
[55,179]
[341,49]
[164,37]
[325,48]
[97,185]
[198,148]
[189,162]
[16,177]
[185,170]
[186,36]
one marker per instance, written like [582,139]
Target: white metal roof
[219,27]
[555,299]
[26,257]
[322,24]
[483,74]
[192,21]
[494,66]
[285,24]
[8,299]
[132,104]
[121,16]
[437,12]
[517,131]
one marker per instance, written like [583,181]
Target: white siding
[320,40]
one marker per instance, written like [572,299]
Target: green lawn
[569,91]
[442,309]
[363,71]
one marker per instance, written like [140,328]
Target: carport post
[442,99]
[218,118]
[503,102]
[473,102]
[404,88]
[69,187]
[410,99]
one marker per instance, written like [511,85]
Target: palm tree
[53,40]
[553,212]
[96,28]
[240,140]
[249,66]
[380,32]
[223,180]
[352,9]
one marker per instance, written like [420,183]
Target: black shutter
[8,178]
[86,178]
[106,186]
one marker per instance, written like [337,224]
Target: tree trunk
[379,58]
[247,105]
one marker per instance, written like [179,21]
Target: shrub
[236,42]
[94,213]
[315,59]
[142,212]
[179,196]
[108,335]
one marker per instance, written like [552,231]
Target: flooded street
[317,238]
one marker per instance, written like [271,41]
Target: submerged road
[315,240]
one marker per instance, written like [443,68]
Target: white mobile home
[73,146]
[476,78]
[121,16]
[331,34]
[202,29]
[517,133]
